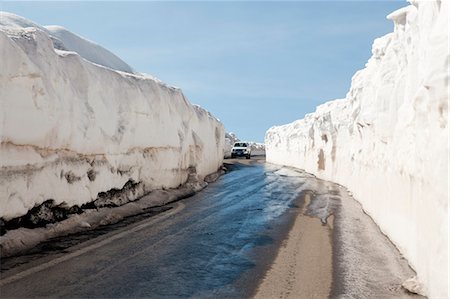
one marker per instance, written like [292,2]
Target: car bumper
[240,154]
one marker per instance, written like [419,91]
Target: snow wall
[71,129]
[387,141]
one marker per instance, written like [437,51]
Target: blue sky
[252,64]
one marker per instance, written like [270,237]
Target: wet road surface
[218,243]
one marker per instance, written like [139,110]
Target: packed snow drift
[77,126]
[387,141]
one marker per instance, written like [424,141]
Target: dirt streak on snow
[20,240]
[75,125]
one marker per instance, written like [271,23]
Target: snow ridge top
[64,39]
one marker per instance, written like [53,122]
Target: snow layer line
[71,129]
[387,141]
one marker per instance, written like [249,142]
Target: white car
[241,149]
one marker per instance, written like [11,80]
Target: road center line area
[259,231]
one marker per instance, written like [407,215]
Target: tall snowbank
[387,141]
[74,131]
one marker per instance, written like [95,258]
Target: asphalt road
[219,243]
[216,243]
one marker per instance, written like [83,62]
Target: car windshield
[240,144]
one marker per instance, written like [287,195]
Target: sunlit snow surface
[71,129]
[387,141]
[63,39]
